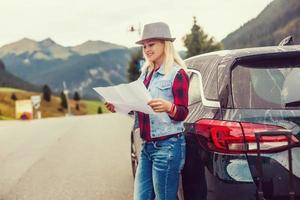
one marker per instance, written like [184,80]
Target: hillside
[278,20]
[82,67]
[48,109]
[9,80]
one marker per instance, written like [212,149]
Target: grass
[5,118]
[92,107]
[4,89]
[48,109]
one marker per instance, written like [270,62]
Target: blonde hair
[170,57]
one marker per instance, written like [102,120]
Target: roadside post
[36,102]
[66,93]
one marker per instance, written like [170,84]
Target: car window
[194,89]
[207,66]
[269,85]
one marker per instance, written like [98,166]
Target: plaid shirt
[180,93]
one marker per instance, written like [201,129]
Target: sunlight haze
[72,22]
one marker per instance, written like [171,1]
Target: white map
[127,97]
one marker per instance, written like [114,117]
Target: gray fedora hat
[157,30]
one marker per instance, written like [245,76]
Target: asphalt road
[70,158]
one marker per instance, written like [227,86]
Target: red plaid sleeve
[180,90]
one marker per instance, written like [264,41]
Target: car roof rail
[287,41]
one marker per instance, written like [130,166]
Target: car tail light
[238,137]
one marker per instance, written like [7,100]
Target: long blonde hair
[170,57]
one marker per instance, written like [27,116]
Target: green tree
[13,97]
[76,97]
[198,42]
[99,111]
[133,71]
[47,93]
[63,100]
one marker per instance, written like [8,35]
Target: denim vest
[161,87]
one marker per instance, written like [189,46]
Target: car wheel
[135,149]
[180,190]
[134,160]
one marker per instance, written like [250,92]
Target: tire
[134,159]
[180,190]
[135,149]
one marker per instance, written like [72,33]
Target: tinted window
[207,66]
[267,84]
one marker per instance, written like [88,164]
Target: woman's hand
[160,105]
[110,107]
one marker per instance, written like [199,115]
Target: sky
[72,22]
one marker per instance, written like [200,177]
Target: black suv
[243,128]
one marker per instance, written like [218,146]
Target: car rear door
[266,102]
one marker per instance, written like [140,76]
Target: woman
[163,147]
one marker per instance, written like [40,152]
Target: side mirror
[287,41]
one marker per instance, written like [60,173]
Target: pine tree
[135,65]
[13,97]
[198,42]
[99,110]
[63,100]
[76,97]
[47,93]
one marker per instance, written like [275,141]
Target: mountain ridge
[92,64]
[49,49]
[269,27]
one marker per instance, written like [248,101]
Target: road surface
[69,158]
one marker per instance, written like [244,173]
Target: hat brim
[166,39]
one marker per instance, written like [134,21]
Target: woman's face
[154,50]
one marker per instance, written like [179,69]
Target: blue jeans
[159,169]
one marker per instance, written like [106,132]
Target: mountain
[82,67]
[94,47]
[44,50]
[278,20]
[47,49]
[9,80]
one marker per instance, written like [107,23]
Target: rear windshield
[269,84]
